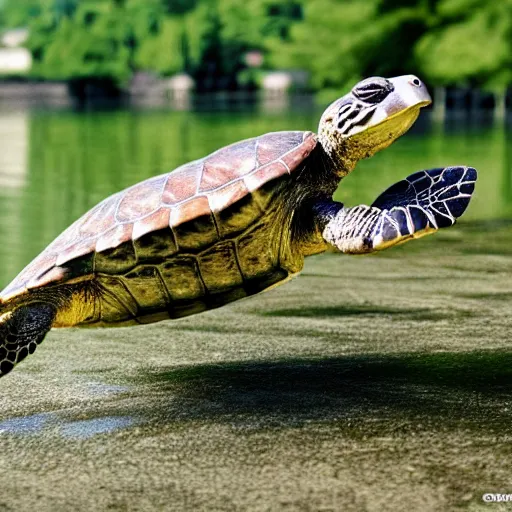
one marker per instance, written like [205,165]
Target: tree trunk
[439,104]
[500,109]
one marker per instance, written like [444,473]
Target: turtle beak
[409,92]
[409,95]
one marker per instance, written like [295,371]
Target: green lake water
[55,165]
[367,383]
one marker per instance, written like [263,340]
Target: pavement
[368,383]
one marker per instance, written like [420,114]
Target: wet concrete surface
[368,383]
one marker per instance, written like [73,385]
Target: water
[78,429]
[379,370]
[55,165]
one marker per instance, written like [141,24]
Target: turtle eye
[373,90]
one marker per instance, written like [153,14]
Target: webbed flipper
[416,206]
[21,331]
[423,203]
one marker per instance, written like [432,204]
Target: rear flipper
[21,332]
[419,205]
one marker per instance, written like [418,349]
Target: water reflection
[507,164]
[14,140]
[88,428]
[25,424]
[79,429]
[56,165]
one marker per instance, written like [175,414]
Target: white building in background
[282,82]
[277,82]
[14,38]
[179,89]
[14,59]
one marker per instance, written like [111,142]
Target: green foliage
[471,44]
[179,6]
[16,13]
[336,41]
[164,51]
[361,40]
[205,47]
[93,42]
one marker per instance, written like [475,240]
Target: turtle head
[370,117]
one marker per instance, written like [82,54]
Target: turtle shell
[203,187]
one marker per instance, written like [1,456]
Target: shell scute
[188,207]
[35,272]
[293,159]
[228,195]
[182,183]
[52,275]
[75,250]
[272,146]
[117,299]
[219,268]
[114,237]
[192,209]
[97,220]
[116,260]
[265,174]
[197,232]
[141,199]
[228,164]
[147,288]
[151,222]
[182,278]
[157,245]
[235,218]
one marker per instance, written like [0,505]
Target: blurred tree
[106,40]
[17,14]
[470,42]
[94,43]
[179,6]
[340,41]
[220,33]
[278,17]
[163,52]
[205,50]
[90,46]
[336,41]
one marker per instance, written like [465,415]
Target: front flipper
[419,205]
[21,331]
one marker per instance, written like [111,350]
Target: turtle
[234,223]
